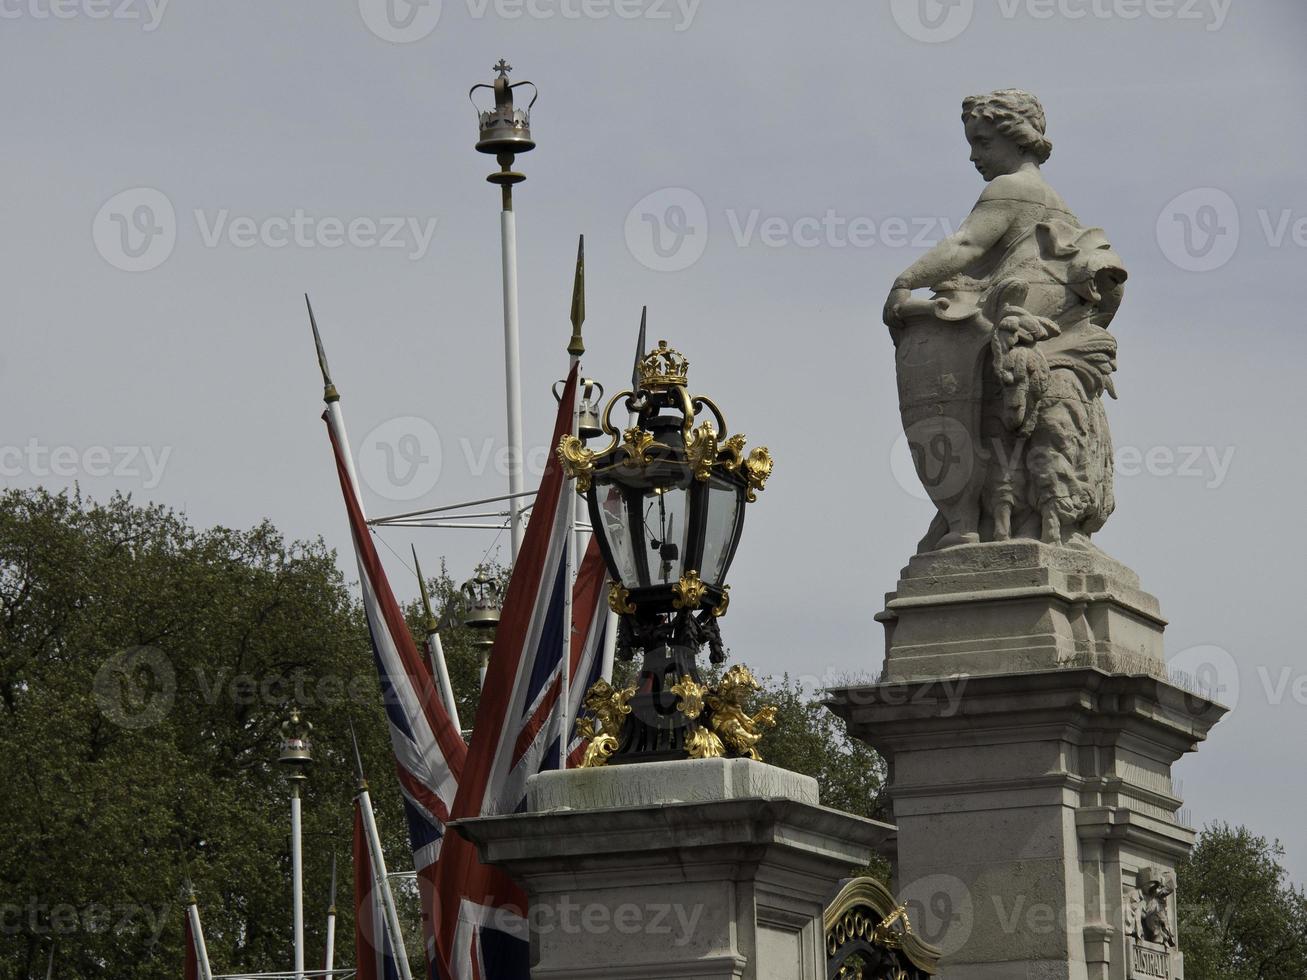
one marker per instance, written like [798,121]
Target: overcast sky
[176,175]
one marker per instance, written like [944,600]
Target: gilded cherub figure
[739,730]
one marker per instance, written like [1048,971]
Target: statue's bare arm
[983,229]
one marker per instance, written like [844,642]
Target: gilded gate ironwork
[869,937]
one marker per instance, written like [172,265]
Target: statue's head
[1005,130]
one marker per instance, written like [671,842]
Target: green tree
[145,668]
[1240,916]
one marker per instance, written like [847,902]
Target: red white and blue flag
[429,751]
[191,964]
[374,953]
[589,631]
[481,916]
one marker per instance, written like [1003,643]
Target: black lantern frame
[667,500]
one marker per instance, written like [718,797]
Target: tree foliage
[145,668]
[1240,918]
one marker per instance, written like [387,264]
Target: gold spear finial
[329,392]
[577,346]
[432,624]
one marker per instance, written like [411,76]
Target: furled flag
[191,966]
[196,963]
[589,629]
[373,952]
[429,751]
[481,925]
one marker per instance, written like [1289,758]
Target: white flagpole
[575,348]
[197,934]
[512,367]
[335,417]
[379,876]
[329,962]
[297,876]
[436,649]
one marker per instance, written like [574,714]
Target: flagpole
[330,959]
[610,630]
[575,349]
[512,365]
[436,649]
[197,936]
[331,396]
[379,875]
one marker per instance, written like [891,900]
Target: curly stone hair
[1014,113]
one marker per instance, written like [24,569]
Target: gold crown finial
[664,367]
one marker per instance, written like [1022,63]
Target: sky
[177,175]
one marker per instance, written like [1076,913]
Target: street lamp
[667,498]
[482,602]
[504,132]
[296,756]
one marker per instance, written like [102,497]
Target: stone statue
[1148,911]
[1001,372]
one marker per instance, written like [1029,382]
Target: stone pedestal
[707,869]
[1030,734]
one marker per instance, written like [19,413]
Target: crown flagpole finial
[577,345]
[329,392]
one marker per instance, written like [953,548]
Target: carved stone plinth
[1030,736]
[706,869]
[1018,606]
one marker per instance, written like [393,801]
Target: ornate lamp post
[505,131]
[667,498]
[482,602]
[296,756]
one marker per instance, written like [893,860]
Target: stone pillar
[1030,730]
[707,869]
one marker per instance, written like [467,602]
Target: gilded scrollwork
[606,707]
[578,462]
[689,591]
[619,599]
[636,442]
[701,450]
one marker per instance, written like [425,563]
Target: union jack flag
[589,631]
[481,919]
[373,951]
[429,752]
